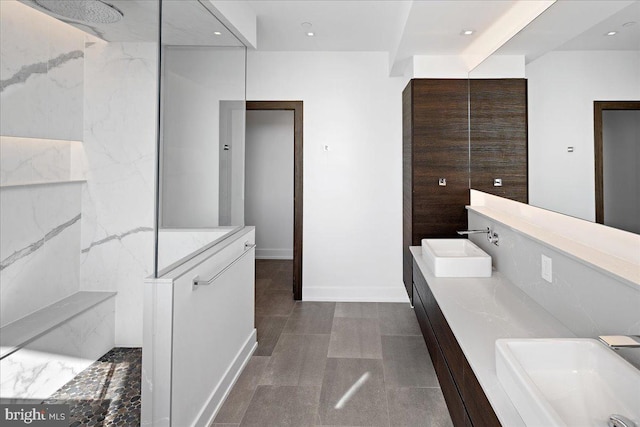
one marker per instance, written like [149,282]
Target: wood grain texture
[498,136]
[297,108]
[435,145]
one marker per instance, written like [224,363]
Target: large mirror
[201,138]
[581,60]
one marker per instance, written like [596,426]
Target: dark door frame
[296,107]
[598,108]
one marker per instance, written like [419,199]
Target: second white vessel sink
[567,382]
[456,258]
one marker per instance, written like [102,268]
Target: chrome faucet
[467,232]
[492,237]
[617,342]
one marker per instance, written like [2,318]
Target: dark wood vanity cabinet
[466,401]
[498,137]
[468,132]
[435,146]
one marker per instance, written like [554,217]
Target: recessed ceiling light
[306,25]
[217,33]
[611,33]
[467,32]
[311,34]
[629,24]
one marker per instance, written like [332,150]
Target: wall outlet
[547,269]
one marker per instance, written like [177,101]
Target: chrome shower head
[90,11]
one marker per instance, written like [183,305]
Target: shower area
[121,160]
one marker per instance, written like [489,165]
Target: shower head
[90,11]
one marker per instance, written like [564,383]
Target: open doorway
[294,107]
[617,157]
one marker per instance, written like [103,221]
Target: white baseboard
[270,253]
[337,294]
[220,393]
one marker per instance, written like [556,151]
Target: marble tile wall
[41,75]
[118,200]
[35,160]
[40,246]
[47,363]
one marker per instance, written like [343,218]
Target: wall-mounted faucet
[617,342]
[492,236]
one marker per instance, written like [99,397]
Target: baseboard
[386,294]
[267,253]
[220,393]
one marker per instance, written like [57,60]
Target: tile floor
[332,364]
[107,393]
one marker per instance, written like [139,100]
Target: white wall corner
[238,17]
[500,67]
[439,66]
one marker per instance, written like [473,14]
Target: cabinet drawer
[451,394]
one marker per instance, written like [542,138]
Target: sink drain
[616,420]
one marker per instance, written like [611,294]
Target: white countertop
[482,310]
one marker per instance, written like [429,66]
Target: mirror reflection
[573,56]
[201,132]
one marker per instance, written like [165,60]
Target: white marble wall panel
[118,201]
[40,246]
[33,160]
[41,75]
[585,299]
[44,365]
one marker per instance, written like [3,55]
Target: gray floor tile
[311,318]
[224,425]
[282,406]
[412,407]
[282,281]
[262,285]
[238,399]
[356,338]
[353,393]
[358,310]
[397,319]
[297,360]
[274,303]
[407,363]
[269,330]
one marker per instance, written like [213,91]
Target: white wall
[621,166]
[269,182]
[562,88]
[352,227]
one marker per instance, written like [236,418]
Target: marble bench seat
[44,350]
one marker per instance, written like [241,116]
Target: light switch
[497,182]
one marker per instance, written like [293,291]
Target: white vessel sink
[567,382]
[456,258]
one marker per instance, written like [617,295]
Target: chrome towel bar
[196,280]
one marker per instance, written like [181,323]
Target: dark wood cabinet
[468,132]
[435,146]
[498,137]
[467,403]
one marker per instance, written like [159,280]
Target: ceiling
[403,28]
[578,25]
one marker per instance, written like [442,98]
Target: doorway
[617,154]
[297,108]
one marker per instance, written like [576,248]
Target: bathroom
[100,213]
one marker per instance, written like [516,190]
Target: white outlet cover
[547,268]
